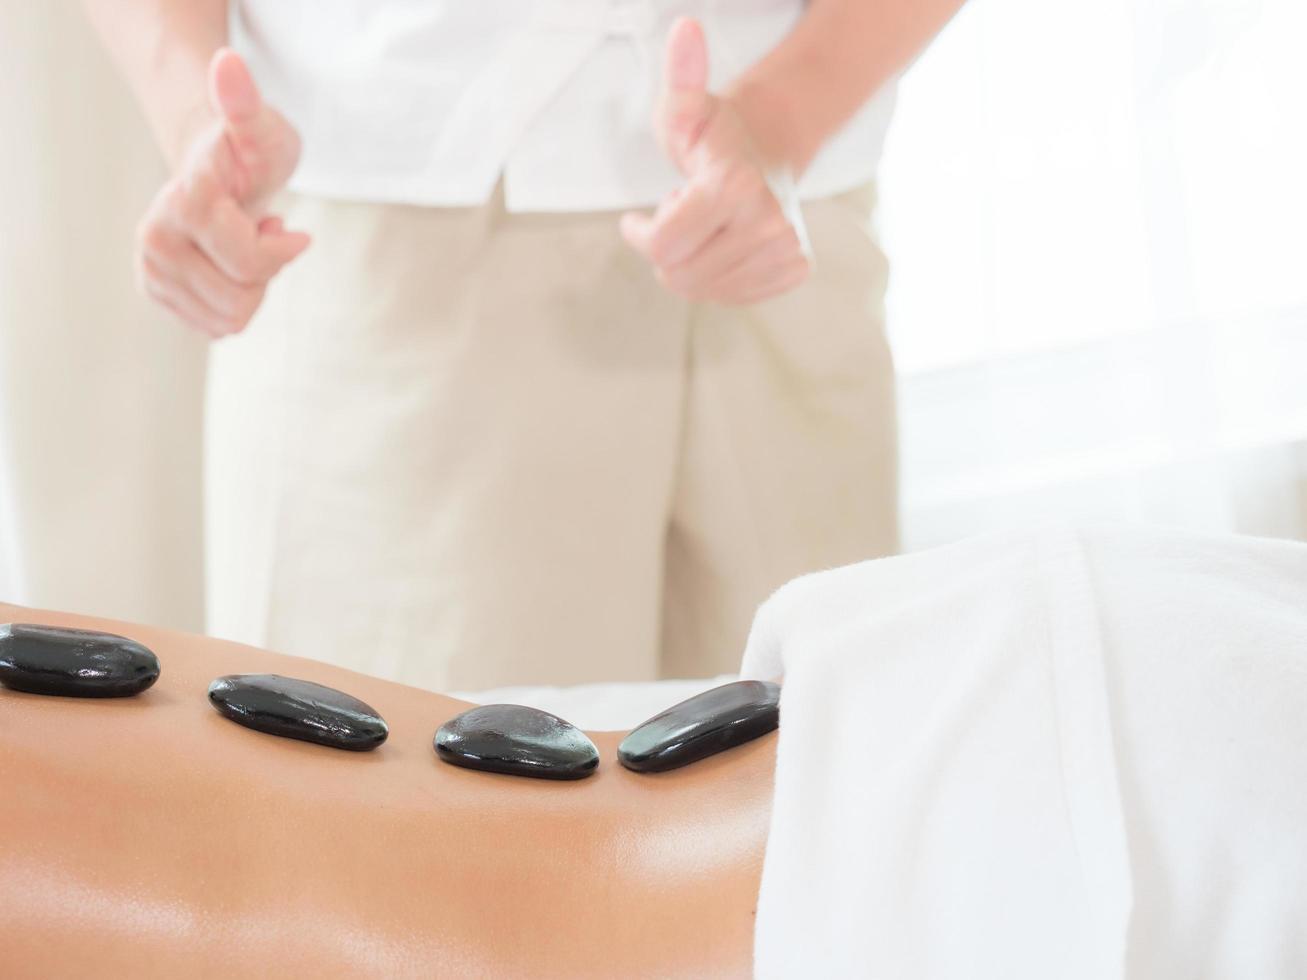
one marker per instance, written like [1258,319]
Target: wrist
[174,90]
[771,110]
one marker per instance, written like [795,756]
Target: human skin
[206,248]
[722,237]
[149,836]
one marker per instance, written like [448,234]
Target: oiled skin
[149,836]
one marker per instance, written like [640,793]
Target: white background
[1094,211]
[1095,215]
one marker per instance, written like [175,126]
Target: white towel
[1056,754]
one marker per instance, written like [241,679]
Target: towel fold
[1057,753]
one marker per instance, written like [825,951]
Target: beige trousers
[464,448]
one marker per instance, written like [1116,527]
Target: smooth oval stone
[703,725]
[517,740]
[72,662]
[294,708]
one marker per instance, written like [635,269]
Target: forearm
[163,48]
[840,53]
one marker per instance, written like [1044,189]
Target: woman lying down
[1052,754]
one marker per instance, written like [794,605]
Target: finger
[747,261]
[161,251]
[685,107]
[234,302]
[685,61]
[790,278]
[683,226]
[729,248]
[722,252]
[753,285]
[232,91]
[160,286]
[251,133]
[284,246]
[245,250]
[656,236]
[758,266]
[636,227]
[742,200]
[232,240]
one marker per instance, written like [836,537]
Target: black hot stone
[520,741]
[298,709]
[701,726]
[75,663]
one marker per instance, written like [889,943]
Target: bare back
[150,835]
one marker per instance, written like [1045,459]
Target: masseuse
[531,367]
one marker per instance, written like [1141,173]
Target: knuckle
[151,239]
[676,280]
[705,190]
[777,226]
[201,187]
[780,249]
[224,302]
[717,177]
[249,269]
[196,205]
[746,182]
[660,249]
[175,200]
[148,281]
[241,304]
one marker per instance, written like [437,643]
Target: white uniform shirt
[431,101]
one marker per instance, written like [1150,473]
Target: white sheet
[1064,753]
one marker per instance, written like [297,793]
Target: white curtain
[99,395]
[1097,215]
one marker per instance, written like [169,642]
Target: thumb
[686,106]
[685,66]
[260,149]
[232,91]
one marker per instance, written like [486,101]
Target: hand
[205,248]
[723,236]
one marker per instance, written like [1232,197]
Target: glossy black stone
[517,740]
[294,708]
[75,663]
[701,726]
